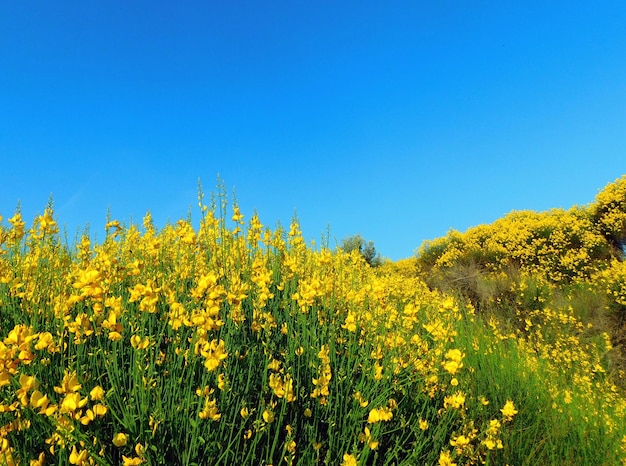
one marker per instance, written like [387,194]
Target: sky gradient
[396,120]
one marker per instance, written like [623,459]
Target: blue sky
[396,120]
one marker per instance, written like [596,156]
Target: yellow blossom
[78,458]
[366,436]
[213,353]
[40,461]
[120,439]
[96,393]
[460,442]
[139,343]
[268,416]
[379,414]
[210,410]
[350,323]
[72,402]
[99,410]
[349,460]
[134,461]
[41,401]
[362,402]
[509,410]
[456,401]
[445,459]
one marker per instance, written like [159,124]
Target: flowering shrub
[560,245]
[609,212]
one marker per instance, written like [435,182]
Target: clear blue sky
[397,120]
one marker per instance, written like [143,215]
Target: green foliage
[366,249]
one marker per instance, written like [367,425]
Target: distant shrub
[562,245]
[609,213]
[365,248]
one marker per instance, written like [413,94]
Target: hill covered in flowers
[232,342]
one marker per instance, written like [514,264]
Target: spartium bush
[609,213]
[562,245]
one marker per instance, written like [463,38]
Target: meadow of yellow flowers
[232,343]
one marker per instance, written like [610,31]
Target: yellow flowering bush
[609,212]
[562,245]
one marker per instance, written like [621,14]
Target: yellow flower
[99,410]
[268,416]
[455,355]
[445,459]
[72,402]
[423,424]
[140,449]
[78,458]
[362,402]
[373,416]
[210,410]
[567,396]
[27,383]
[221,382]
[366,436]
[350,323]
[378,371]
[113,224]
[460,443]
[96,393]
[214,354]
[40,461]
[46,342]
[5,378]
[237,215]
[455,401]
[38,400]
[349,460]
[274,365]
[452,366]
[131,461]
[453,363]
[494,427]
[493,443]
[140,343]
[379,414]
[489,443]
[120,439]
[509,410]
[87,418]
